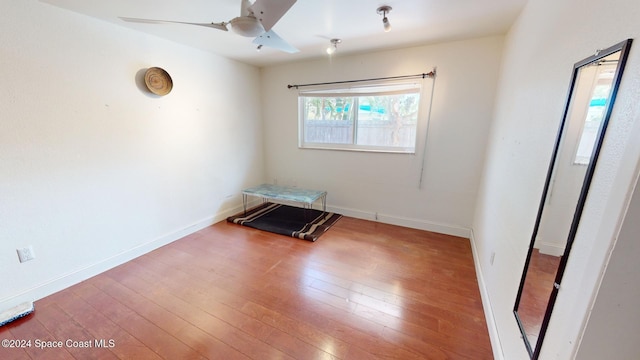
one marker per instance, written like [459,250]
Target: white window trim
[392,88]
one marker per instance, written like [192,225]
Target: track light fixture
[384,10]
[334,46]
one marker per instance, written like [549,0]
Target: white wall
[362,184]
[568,177]
[541,48]
[94,170]
[614,323]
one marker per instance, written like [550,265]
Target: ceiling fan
[255,20]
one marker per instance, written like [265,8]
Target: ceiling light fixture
[384,10]
[334,46]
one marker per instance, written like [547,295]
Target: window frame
[379,88]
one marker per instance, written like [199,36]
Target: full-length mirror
[592,92]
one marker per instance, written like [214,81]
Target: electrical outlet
[26,254]
[493,257]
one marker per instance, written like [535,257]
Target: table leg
[244,203]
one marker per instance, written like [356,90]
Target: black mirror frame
[623,47]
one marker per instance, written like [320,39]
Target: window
[366,118]
[601,91]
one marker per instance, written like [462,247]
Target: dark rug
[301,223]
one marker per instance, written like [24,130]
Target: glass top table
[286,193]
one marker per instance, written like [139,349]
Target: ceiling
[310,24]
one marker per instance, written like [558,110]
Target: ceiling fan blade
[245,8]
[220,26]
[270,11]
[272,40]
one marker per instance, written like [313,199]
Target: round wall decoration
[158,81]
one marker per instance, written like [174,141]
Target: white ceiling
[310,24]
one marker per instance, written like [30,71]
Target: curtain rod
[431,74]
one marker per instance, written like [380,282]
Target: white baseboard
[419,224]
[78,275]
[550,249]
[494,336]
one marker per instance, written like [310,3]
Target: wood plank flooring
[535,294]
[364,290]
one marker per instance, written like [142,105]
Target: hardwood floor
[364,290]
[535,294]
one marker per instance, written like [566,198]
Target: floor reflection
[535,295]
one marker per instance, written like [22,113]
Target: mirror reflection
[591,92]
[591,96]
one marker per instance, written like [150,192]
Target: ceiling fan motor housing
[247,26]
